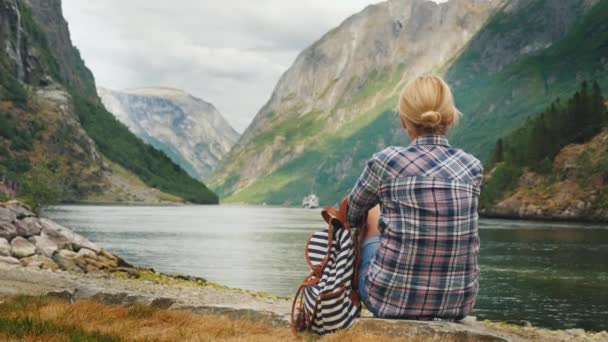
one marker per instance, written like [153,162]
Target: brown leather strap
[339,215]
[293,322]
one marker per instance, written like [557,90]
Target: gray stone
[49,232]
[20,210]
[65,260]
[39,261]
[21,248]
[85,252]
[44,245]
[7,215]
[162,303]
[28,226]
[5,247]
[61,233]
[7,230]
[432,330]
[9,260]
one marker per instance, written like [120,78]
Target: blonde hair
[428,104]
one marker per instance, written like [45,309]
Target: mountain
[528,54]
[189,130]
[335,106]
[56,136]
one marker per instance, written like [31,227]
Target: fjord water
[550,274]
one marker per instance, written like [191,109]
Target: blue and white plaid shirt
[426,266]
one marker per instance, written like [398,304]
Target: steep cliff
[189,130]
[334,106]
[52,123]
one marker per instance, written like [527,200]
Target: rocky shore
[41,258]
[30,241]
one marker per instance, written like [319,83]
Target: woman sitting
[419,254]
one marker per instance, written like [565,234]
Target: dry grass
[44,319]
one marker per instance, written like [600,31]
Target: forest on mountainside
[535,145]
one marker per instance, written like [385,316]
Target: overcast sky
[230,52]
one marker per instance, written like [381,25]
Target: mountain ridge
[190,130]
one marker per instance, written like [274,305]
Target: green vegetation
[117,143]
[46,185]
[19,132]
[10,88]
[536,144]
[495,102]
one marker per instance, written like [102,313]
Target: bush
[46,186]
[504,178]
[19,165]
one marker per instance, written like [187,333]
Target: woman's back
[426,265]
[421,261]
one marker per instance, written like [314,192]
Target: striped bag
[328,300]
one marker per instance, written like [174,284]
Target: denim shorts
[369,248]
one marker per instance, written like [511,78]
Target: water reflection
[550,274]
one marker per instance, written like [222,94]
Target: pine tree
[597,104]
[497,157]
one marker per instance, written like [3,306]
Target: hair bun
[430,119]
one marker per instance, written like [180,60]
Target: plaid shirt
[426,266]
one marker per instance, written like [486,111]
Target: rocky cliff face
[334,106]
[189,130]
[49,130]
[67,60]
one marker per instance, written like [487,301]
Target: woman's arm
[365,195]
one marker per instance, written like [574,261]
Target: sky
[230,53]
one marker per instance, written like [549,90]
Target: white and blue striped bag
[327,300]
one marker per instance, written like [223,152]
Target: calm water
[550,274]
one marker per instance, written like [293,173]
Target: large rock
[5,247]
[28,226]
[7,215]
[44,245]
[9,260]
[50,233]
[39,261]
[20,210]
[64,235]
[65,259]
[21,248]
[86,253]
[7,229]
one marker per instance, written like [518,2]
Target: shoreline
[179,294]
[508,217]
[533,218]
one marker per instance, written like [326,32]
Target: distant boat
[310,202]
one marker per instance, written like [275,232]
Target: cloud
[230,52]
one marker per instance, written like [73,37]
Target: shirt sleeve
[365,194]
[479,177]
